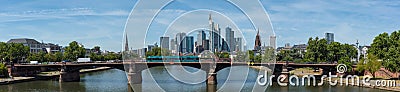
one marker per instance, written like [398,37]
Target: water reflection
[232,79]
[115,81]
[110,80]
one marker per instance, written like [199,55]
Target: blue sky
[102,23]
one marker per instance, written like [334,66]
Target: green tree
[74,51]
[361,67]
[373,64]
[268,55]
[3,51]
[112,56]
[251,55]
[17,52]
[285,55]
[58,56]
[386,48]
[40,57]
[380,45]
[346,61]
[3,69]
[241,57]
[258,59]
[316,50]
[48,57]
[96,49]
[222,54]
[334,49]
[348,51]
[157,51]
[93,57]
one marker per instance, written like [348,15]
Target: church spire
[126,42]
[257,43]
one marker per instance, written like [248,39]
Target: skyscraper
[329,37]
[189,44]
[215,38]
[206,44]
[239,46]
[224,46]
[164,42]
[180,44]
[200,37]
[257,42]
[172,45]
[272,41]
[230,40]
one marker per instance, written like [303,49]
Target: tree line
[13,52]
[18,53]
[319,50]
[386,48]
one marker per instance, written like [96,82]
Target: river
[113,80]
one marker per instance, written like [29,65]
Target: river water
[113,80]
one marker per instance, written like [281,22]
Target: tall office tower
[219,40]
[211,25]
[272,41]
[180,44]
[189,44]
[238,44]
[257,42]
[224,46]
[230,40]
[329,37]
[215,39]
[172,45]
[206,44]
[200,37]
[213,36]
[164,42]
[150,47]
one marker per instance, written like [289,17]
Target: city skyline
[99,25]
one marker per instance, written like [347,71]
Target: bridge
[70,71]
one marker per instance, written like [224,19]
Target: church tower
[257,43]
[126,43]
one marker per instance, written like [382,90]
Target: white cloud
[63,13]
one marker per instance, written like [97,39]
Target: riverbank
[4,81]
[45,76]
[260,68]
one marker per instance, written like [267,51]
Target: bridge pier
[134,73]
[69,76]
[212,79]
[285,73]
[134,78]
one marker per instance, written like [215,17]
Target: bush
[3,70]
